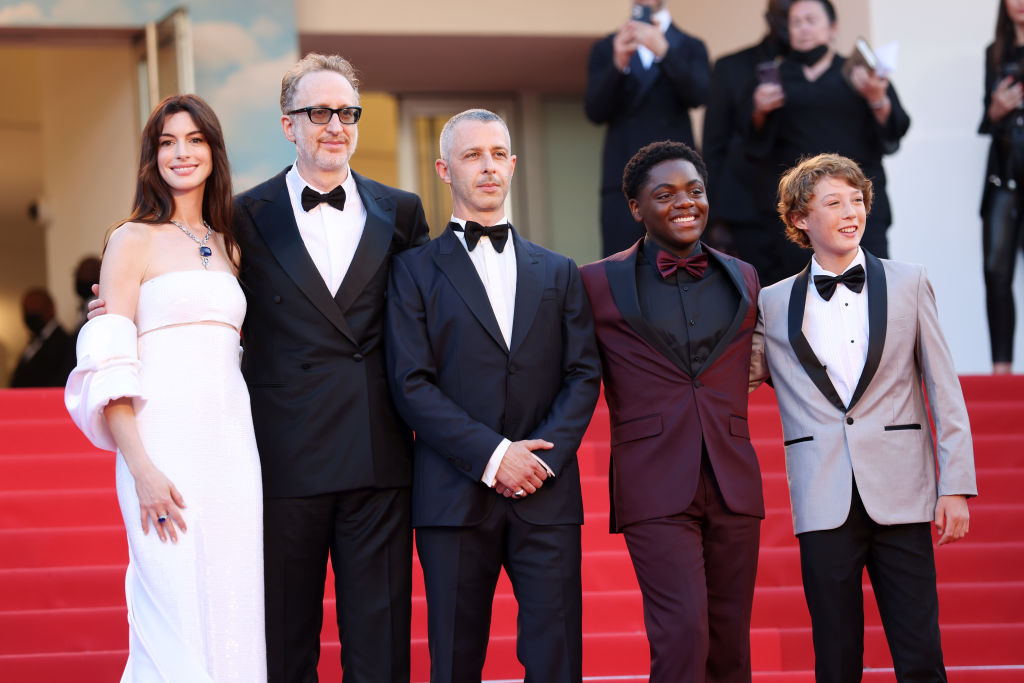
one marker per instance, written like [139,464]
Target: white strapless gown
[195,608]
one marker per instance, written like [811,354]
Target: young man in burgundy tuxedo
[674,321]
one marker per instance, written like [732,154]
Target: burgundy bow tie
[694,265]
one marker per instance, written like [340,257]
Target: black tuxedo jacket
[314,363]
[645,105]
[731,174]
[461,389]
[51,364]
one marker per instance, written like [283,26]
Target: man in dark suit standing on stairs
[317,241]
[492,361]
[642,82]
[674,320]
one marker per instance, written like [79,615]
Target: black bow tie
[498,234]
[312,199]
[853,279]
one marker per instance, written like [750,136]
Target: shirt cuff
[491,471]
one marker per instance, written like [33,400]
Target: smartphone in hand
[768,72]
[641,13]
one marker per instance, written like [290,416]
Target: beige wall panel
[936,178]
[89,151]
[22,259]
[725,25]
[533,17]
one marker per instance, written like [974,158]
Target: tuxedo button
[357,357]
[277,299]
[306,366]
[849,420]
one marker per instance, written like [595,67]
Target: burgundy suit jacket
[659,413]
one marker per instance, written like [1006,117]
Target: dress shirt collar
[662,19]
[461,236]
[296,183]
[816,269]
[650,250]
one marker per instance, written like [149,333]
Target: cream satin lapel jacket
[882,438]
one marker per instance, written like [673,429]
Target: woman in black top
[814,110]
[1002,200]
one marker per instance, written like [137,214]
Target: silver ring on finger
[520,493]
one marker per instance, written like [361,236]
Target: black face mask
[809,57]
[34,322]
[84,289]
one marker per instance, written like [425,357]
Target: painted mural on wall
[242,48]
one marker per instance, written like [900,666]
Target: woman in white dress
[158,380]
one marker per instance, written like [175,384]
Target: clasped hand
[520,469]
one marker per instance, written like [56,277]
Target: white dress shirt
[837,329]
[330,236]
[497,272]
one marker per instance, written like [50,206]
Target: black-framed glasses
[322,115]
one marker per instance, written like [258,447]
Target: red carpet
[63,551]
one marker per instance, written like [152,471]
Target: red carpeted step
[92,469]
[962,645]
[20,404]
[62,587]
[63,547]
[59,508]
[959,603]
[956,562]
[56,435]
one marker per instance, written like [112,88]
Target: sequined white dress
[195,609]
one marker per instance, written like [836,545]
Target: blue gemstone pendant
[205,251]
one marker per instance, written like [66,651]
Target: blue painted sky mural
[241,47]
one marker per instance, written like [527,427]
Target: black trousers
[901,565]
[368,535]
[1002,240]
[460,570]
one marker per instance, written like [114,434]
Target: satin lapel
[733,269]
[622,283]
[451,258]
[878,315]
[372,248]
[276,223]
[815,370]
[529,288]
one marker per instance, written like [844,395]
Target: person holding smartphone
[815,109]
[642,82]
[735,224]
[1002,201]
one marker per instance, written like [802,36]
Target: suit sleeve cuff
[491,471]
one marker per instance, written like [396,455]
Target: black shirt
[691,315]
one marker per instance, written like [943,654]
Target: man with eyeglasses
[317,241]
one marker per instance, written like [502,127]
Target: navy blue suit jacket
[461,389]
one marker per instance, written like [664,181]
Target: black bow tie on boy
[853,279]
[498,234]
[312,199]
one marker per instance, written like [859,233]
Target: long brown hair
[153,202]
[1006,36]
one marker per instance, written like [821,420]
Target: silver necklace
[204,251]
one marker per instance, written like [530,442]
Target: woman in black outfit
[814,110]
[1002,200]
